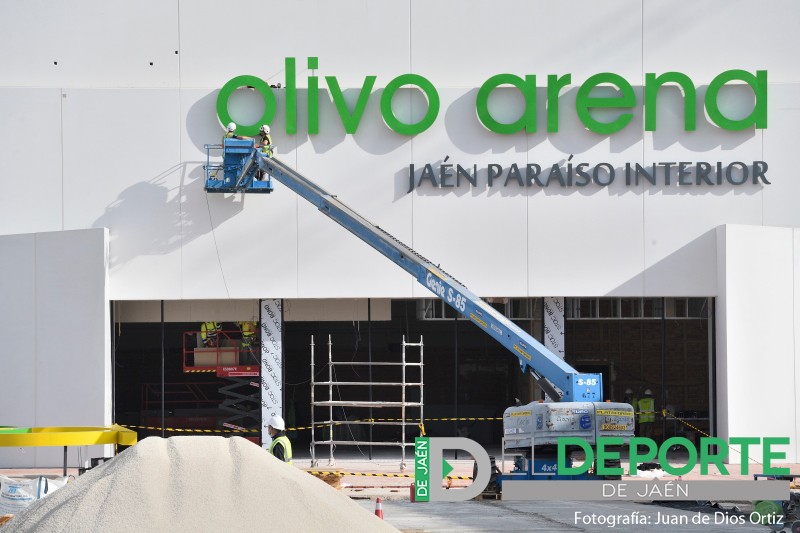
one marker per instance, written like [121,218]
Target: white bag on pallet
[17,494]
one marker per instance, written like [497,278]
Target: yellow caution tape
[190,430]
[667,414]
[67,436]
[316,425]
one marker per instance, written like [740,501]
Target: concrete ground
[486,516]
[366,478]
[512,516]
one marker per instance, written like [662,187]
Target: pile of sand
[196,484]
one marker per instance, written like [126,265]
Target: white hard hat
[265,129]
[628,391]
[277,422]
[232,126]
[648,392]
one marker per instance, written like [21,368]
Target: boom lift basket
[238,170]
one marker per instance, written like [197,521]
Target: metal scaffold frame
[330,403]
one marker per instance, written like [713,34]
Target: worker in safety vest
[647,414]
[248,334]
[280,447]
[230,132]
[265,141]
[249,340]
[266,146]
[209,333]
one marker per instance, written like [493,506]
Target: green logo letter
[386,104]
[651,86]
[584,102]
[528,89]
[758,83]
[270,104]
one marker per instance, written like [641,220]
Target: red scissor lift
[235,363]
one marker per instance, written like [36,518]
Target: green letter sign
[758,83]
[528,89]
[270,104]
[386,104]
[584,102]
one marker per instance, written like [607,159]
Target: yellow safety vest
[287,448]
[248,333]
[248,329]
[647,407]
[266,145]
[209,330]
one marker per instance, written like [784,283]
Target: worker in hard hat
[280,447]
[646,407]
[249,341]
[627,397]
[209,333]
[230,132]
[265,144]
[265,141]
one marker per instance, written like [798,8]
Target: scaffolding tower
[360,405]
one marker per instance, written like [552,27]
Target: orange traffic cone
[378,508]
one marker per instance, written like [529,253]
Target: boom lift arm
[547,368]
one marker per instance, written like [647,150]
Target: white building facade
[568,184]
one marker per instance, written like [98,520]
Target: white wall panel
[758,267]
[679,220]
[58,334]
[703,39]
[796,322]
[132,157]
[476,234]
[602,224]
[366,171]
[234,246]
[31,160]
[460,43]
[122,170]
[18,330]
[780,151]
[351,38]
[89,43]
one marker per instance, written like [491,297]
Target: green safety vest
[287,448]
[647,406]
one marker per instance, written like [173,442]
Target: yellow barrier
[67,436]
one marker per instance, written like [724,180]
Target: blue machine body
[533,356]
[542,470]
[237,172]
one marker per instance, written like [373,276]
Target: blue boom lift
[581,411]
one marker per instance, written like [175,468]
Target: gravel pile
[196,484]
